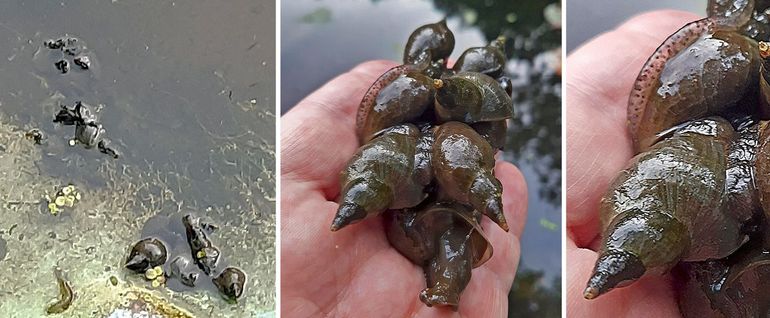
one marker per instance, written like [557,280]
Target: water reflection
[340,35]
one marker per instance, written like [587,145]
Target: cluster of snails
[89,132]
[70,48]
[149,256]
[694,200]
[429,134]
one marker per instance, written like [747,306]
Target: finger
[318,135]
[649,297]
[487,292]
[599,144]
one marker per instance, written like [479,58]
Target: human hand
[599,80]
[355,272]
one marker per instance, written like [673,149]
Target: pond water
[320,40]
[186,99]
[588,18]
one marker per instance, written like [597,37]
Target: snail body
[436,237]
[66,295]
[732,287]
[666,206]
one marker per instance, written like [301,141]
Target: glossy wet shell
[693,74]
[494,132]
[463,164]
[763,168]
[667,205]
[402,100]
[472,97]
[434,38]
[460,154]
[369,100]
[488,60]
[381,175]
[683,177]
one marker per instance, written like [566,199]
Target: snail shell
[695,73]
[666,206]
[463,164]
[382,175]
[730,15]
[472,97]
[230,283]
[403,99]
[203,251]
[435,38]
[146,254]
[488,60]
[494,132]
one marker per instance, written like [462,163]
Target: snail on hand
[666,206]
[703,69]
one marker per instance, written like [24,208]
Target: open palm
[601,74]
[354,272]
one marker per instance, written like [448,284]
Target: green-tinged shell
[463,164]
[666,206]
[732,287]
[402,100]
[472,97]
[695,73]
[730,14]
[435,38]
[380,176]
[494,132]
[489,60]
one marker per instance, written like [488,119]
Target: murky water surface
[185,92]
